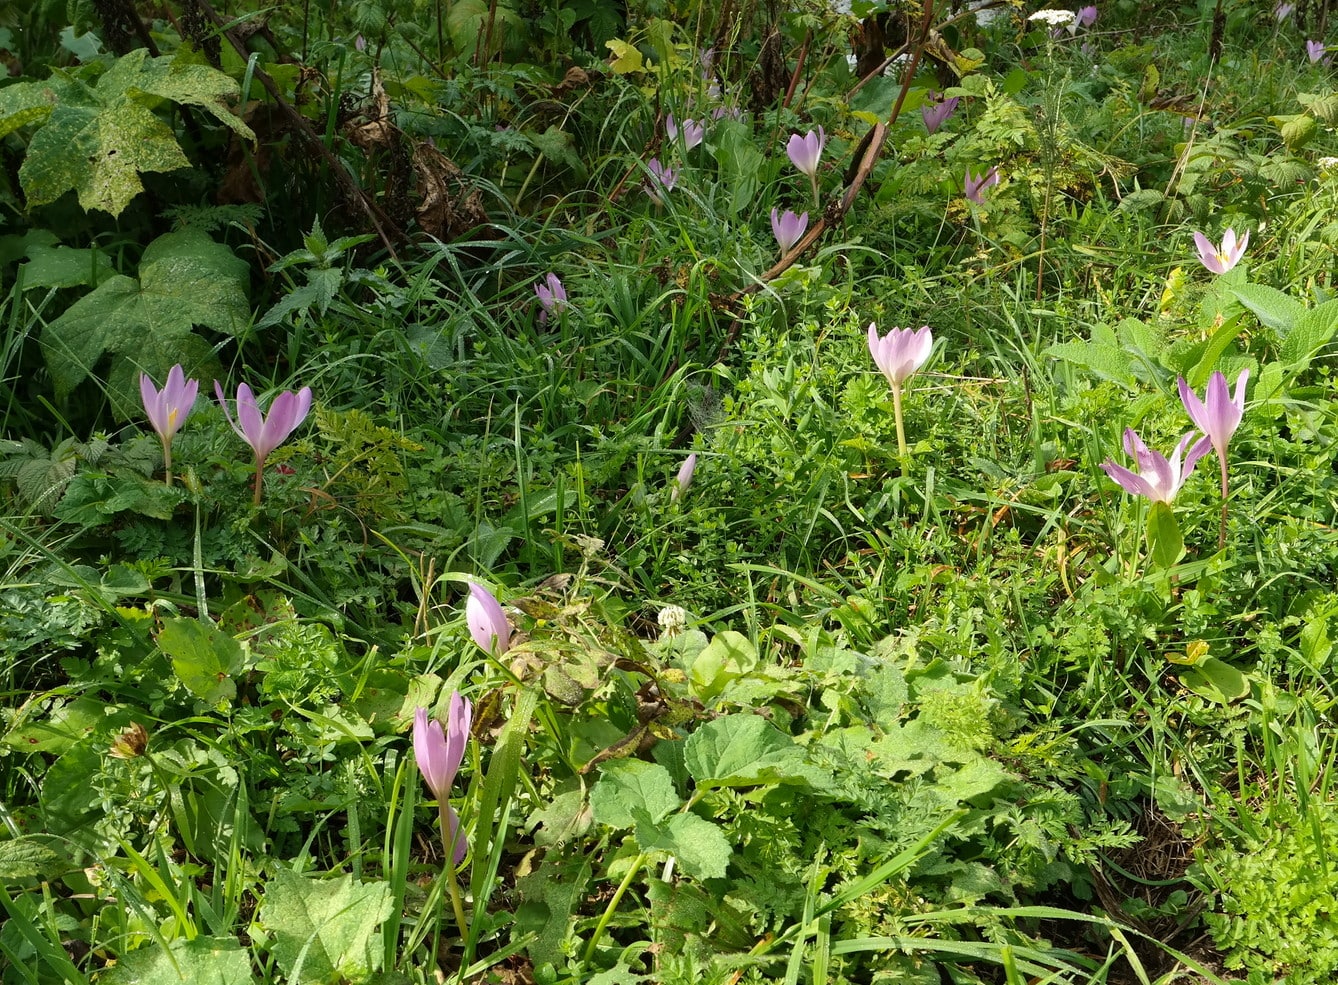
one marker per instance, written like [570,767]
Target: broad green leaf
[1216,680]
[728,657]
[324,930]
[699,845]
[199,961]
[740,163]
[626,57]
[26,858]
[745,751]
[1165,545]
[626,785]
[204,658]
[25,103]
[186,279]
[63,266]
[1276,310]
[1297,131]
[98,140]
[99,154]
[1312,330]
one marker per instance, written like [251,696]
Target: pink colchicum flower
[788,228]
[552,297]
[439,753]
[684,477]
[1086,16]
[663,178]
[1217,417]
[1316,51]
[805,152]
[1284,10]
[693,132]
[1219,261]
[899,354]
[167,409]
[265,433]
[487,622]
[936,110]
[1157,479]
[975,185]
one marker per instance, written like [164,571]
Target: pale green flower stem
[1221,531]
[618,895]
[901,428]
[260,478]
[452,883]
[167,459]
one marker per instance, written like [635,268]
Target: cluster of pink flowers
[168,408]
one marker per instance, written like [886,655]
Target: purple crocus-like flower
[1219,415]
[900,352]
[167,409]
[976,185]
[552,297]
[684,477]
[1219,261]
[805,151]
[664,178]
[487,622]
[1316,51]
[1157,479]
[788,228]
[936,110]
[1086,16]
[439,753]
[265,433]
[693,132]
[1284,10]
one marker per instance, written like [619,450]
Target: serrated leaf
[179,80]
[1312,330]
[700,846]
[198,961]
[26,858]
[186,279]
[1324,106]
[1106,361]
[745,751]
[324,930]
[627,786]
[1297,130]
[204,658]
[1276,310]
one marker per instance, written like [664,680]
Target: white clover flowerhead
[673,619]
[1055,18]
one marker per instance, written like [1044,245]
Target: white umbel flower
[1055,18]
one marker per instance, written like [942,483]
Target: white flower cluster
[1055,18]
[673,619]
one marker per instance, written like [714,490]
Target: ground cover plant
[667,492]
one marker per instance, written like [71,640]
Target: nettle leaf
[627,787]
[97,141]
[186,279]
[199,961]
[747,751]
[324,930]
[25,858]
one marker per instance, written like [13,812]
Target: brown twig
[304,130]
[867,153]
